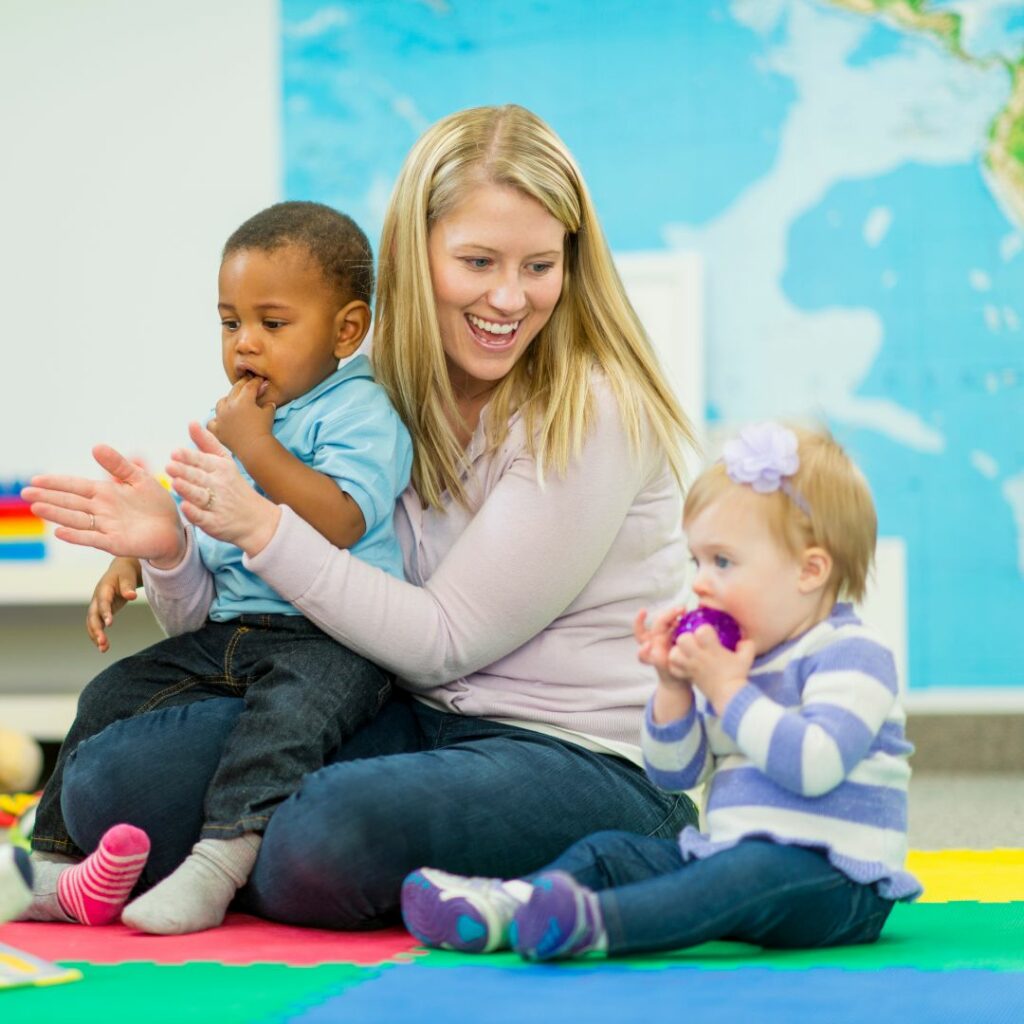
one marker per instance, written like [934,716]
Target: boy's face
[743,570]
[279,321]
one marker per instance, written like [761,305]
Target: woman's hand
[129,514]
[715,670]
[217,498]
[116,587]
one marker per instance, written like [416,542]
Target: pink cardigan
[521,610]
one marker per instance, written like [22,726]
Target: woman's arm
[180,597]
[520,562]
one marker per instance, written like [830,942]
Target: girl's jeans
[414,786]
[302,695]
[783,897]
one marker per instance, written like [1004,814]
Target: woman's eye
[478,262]
[721,562]
[540,268]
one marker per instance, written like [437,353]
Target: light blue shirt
[346,429]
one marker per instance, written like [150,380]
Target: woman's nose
[507,294]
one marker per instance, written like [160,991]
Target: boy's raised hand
[239,422]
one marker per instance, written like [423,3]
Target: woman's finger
[203,461]
[116,464]
[76,519]
[195,493]
[83,538]
[53,488]
[205,441]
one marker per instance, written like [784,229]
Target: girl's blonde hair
[829,505]
[593,323]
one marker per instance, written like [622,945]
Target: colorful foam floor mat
[957,955]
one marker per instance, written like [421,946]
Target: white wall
[135,138]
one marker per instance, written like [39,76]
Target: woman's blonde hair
[593,323]
[828,504]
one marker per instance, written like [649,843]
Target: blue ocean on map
[936,360]
[674,110]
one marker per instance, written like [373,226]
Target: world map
[852,173]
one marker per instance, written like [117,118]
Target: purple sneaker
[471,915]
[561,919]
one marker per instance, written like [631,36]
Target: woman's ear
[351,323]
[815,570]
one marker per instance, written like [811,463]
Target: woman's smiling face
[496,264]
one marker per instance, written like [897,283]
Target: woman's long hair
[593,323]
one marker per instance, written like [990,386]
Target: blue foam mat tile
[416,993]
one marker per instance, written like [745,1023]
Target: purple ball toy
[723,623]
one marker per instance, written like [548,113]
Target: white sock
[197,895]
[46,869]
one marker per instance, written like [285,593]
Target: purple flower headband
[763,456]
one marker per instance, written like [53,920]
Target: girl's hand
[655,643]
[715,670]
[129,514]
[216,496]
[239,422]
[116,587]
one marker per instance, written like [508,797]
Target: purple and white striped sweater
[810,752]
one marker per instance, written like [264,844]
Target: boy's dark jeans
[304,695]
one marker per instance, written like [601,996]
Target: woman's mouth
[492,334]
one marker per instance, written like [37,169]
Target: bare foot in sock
[197,895]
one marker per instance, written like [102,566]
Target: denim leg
[613,859]
[306,694]
[176,671]
[154,771]
[783,897]
[487,800]
[414,786]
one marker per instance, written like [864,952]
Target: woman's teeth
[490,327]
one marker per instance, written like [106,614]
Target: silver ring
[209,499]
[92,521]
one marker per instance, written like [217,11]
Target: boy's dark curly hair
[334,240]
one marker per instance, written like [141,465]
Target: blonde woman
[544,509]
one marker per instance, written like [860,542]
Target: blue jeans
[303,695]
[780,897]
[414,786]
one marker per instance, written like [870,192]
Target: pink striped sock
[94,891]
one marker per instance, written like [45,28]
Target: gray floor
[976,812]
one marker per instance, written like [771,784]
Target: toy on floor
[17,817]
[21,761]
[15,882]
[723,623]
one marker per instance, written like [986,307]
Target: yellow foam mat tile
[984,876]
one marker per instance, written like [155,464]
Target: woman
[544,510]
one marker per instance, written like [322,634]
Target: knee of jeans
[331,857]
[86,797]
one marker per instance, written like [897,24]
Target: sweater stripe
[811,751]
